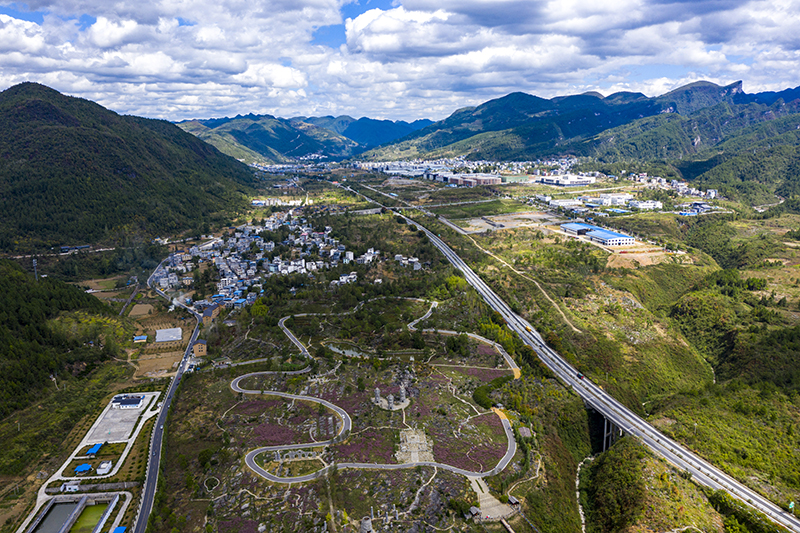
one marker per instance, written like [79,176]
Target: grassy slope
[668,361]
[627,489]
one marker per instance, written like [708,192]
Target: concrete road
[295,340]
[154,459]
[347,424]
[609,407]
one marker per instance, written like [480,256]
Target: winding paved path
[288,333]
[250,460]
[702,471]
[347,425]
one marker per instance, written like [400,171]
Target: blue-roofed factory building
[577,228]
[597,234]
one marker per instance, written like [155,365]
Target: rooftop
[605,234]
[167,335]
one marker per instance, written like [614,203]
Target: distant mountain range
[747,145]
[73,172]
[520,126]
[264,138]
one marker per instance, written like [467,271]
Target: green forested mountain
[30,350]
[73,172]
[695,129]
[747,150]
[699,95]
[725,126]
[746,145]
[520,126]
[264,138]
[370,133]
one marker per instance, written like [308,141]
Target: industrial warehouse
[597,234]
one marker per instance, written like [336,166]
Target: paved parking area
[117,425]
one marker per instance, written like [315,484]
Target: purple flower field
[238,525]
[371,446]
[273,434]
[485,375]
[472,451]
[257,406]
[485,349]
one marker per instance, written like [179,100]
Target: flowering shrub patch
[271,434]
[479,447]
[485,375]
[370,446]
[238,525]
[257,406]
[486,349]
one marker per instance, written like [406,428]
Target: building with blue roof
[120,529]
[578,228]
[94,449]
[598,234]
[82,469]
[610,238]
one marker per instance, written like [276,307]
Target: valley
[423,345]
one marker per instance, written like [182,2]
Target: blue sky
[396,59]
[335,35]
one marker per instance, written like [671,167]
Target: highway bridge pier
[611,432]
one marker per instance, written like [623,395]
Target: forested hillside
[30,350]
[73,172]
[520,126]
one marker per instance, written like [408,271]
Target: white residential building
[645,204]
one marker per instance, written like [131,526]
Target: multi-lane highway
[151,481]
[700,469]
[680,456]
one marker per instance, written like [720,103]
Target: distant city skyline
[393,59]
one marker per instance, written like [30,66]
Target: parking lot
[117,425]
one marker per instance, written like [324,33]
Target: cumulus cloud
[180,59]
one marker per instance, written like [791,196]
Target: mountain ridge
[72,171]
[265,138]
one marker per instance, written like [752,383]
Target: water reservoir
[89,518]
[56,517]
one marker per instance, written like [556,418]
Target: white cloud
[20,36]
[105,33]
[418,58]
